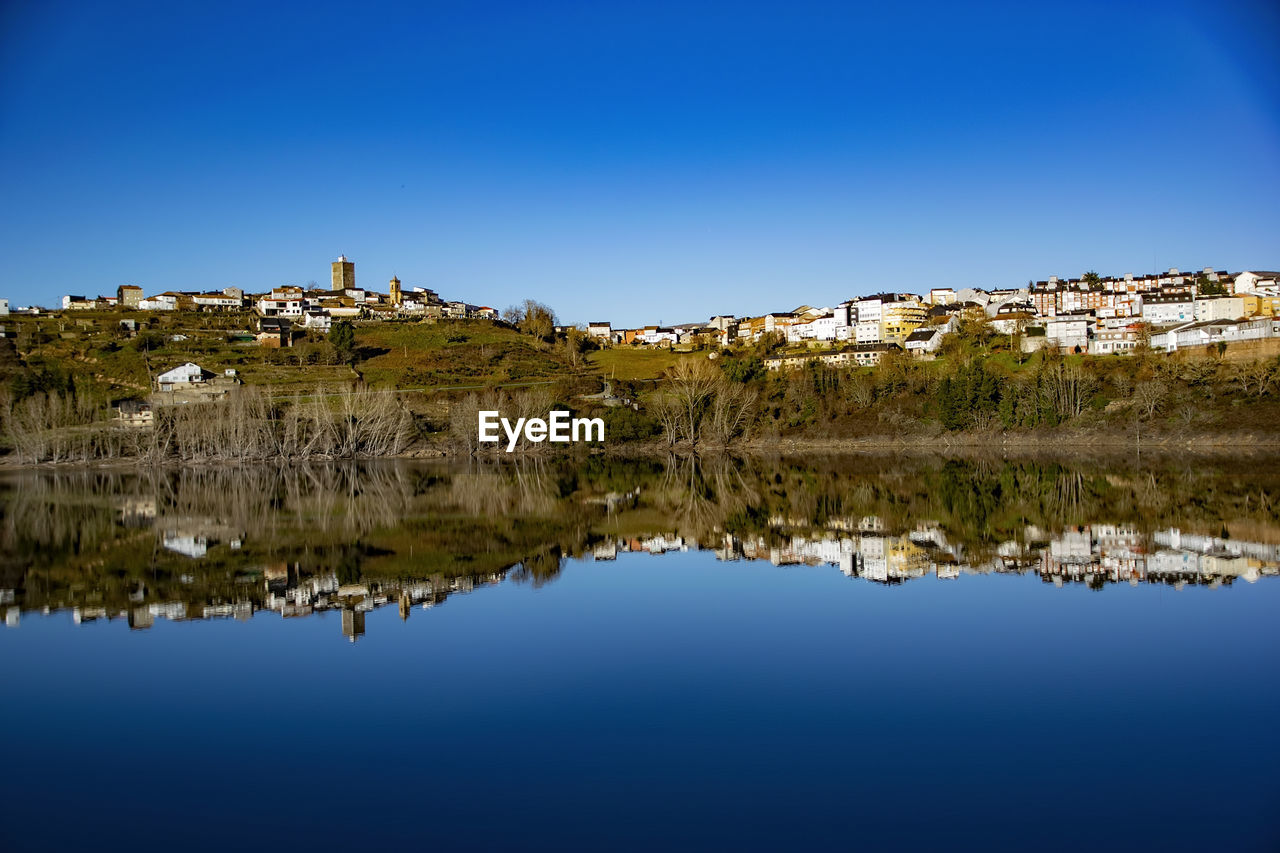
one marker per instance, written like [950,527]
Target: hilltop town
[1091,314]
[1094,314]
[318,373]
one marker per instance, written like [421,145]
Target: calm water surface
[851,654]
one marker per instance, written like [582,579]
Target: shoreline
[1073,443]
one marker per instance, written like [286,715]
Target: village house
[318,319]
[183,376]
[1116,340]
[924,342]
[1259,282]
[1013,317]
[78,303]
[600,331]
[228,299]
[128,296]
[283,302]
[170,300]
[275,332]
[134,413]
[657,335]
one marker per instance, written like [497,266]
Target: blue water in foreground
[662,702]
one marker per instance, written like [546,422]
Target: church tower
[344,274]
[394,291]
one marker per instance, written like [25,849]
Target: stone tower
[344,273]
[393,290]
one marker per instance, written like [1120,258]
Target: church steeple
[394,291]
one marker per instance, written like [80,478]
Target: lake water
[852,653]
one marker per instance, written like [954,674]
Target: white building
[868,331]
[217,301]
[1068,332]
[1219,308]
[163,302]
[924,341]
[183,376]
[1123,339]
[1163,310]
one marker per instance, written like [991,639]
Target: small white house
[924,342]
[163,302]
[183,376]
[317,319]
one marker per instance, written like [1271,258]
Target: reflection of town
[1094,555]
[286,591]
[189,545]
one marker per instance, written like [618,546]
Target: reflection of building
[140,618]
[190,545]
[353,624]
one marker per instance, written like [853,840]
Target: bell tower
[394,291]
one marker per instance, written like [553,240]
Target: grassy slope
[451,353]
[634,363]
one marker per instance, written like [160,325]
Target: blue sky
[636,162]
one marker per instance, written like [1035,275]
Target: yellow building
[394,291]
[899,319]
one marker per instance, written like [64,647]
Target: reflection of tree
[524,486]
[539,568]
[699,494]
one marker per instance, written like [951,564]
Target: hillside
[101,358]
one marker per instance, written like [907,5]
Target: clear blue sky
[645,161]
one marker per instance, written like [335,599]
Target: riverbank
[1049,444]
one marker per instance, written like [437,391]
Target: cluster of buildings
[1093,314]
[289,306]
[1095,554]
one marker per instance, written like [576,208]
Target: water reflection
[228,543]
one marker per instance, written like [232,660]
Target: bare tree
[1067,388]
[1149,396]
